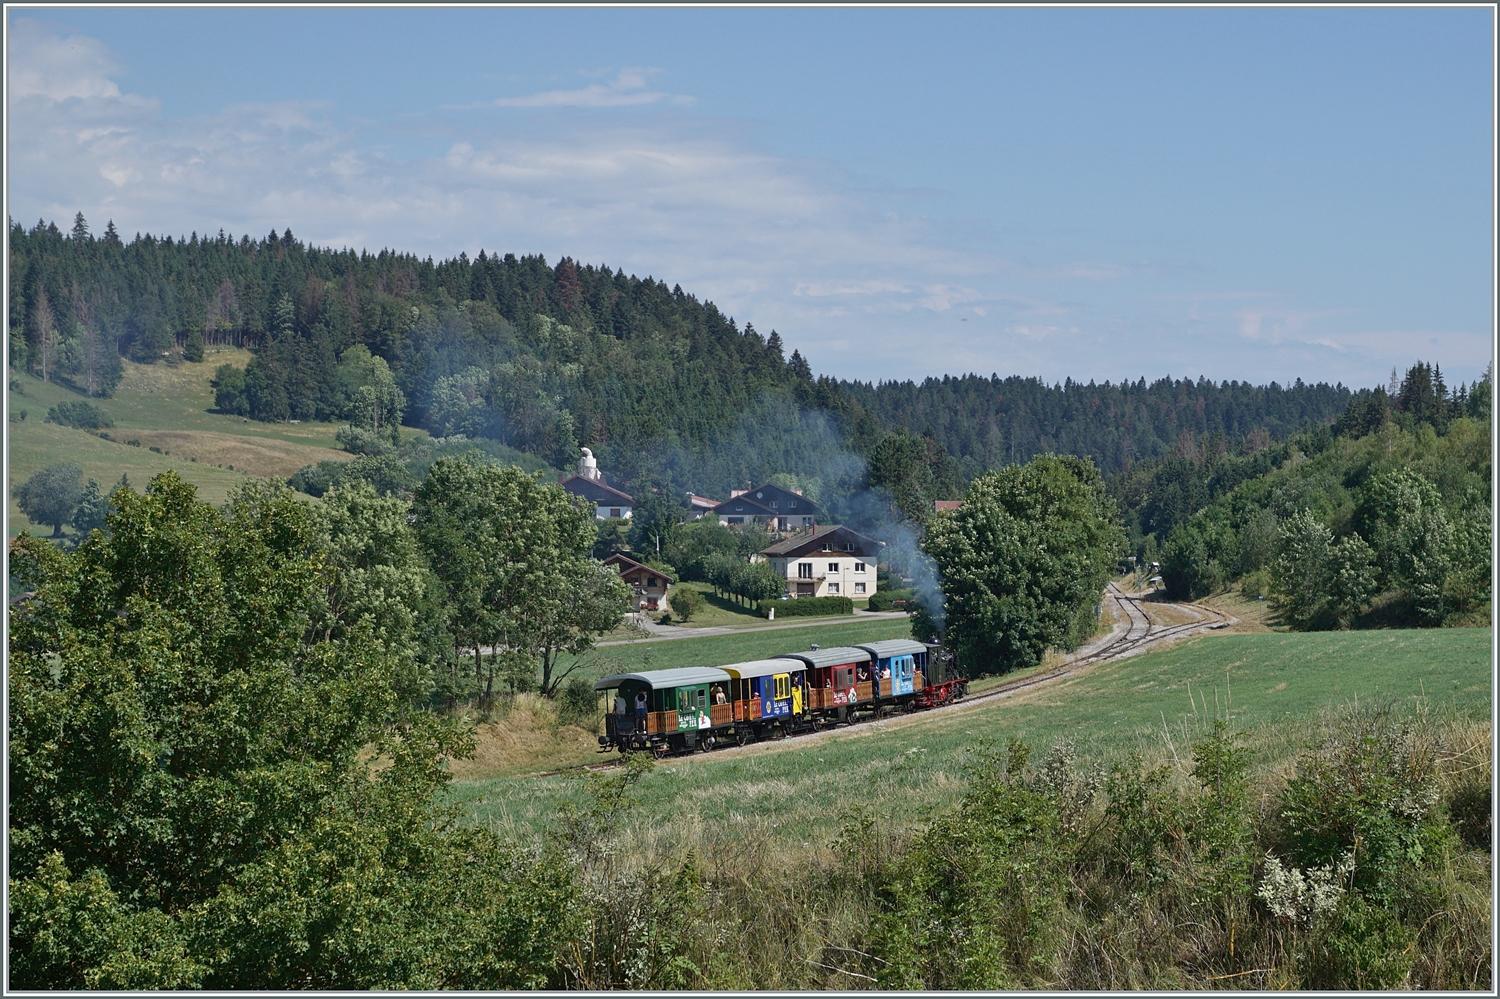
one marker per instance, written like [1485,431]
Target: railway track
[1139,634]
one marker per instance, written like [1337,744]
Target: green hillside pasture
[33,446]
[801,790]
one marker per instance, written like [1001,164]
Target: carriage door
[783,691]
[902,674]
[691,703]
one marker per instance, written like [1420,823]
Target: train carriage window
[783,686]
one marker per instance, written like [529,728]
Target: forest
[1381,519]
[668,391]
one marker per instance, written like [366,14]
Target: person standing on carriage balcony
[640,710]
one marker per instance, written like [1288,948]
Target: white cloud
[626,89]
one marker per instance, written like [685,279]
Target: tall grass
[1358,859]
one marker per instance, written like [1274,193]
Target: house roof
[701,502]
[595,491]
[894,647]
[627,564]
[666,679]
[760,667]
[813,540]
[939,505]
[743,504]
[839,655]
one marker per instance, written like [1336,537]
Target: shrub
[579,704]
[230,391]
[808,606]
[83,415]
[358,440]
[685,601]
[884,600]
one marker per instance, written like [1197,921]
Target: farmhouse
[828,561]
[648,585]
[777,508]
[609,503]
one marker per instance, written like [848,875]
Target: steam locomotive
[696,708]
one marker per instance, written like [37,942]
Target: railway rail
[1139,634]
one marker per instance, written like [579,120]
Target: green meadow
[1272,687]
[162,422]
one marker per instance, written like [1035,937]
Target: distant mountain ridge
[664,387]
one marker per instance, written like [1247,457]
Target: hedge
[807,607]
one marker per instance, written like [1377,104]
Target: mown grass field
[165,407]
[1273,687]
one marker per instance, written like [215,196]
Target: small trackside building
[648,586]
[828,561]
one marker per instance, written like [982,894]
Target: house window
[833,587]
[791,504]
[806,521]
[614,512]
[804,589]
[650,580]
[804,570]
[859,567]
[736,520]
[859,587]
[849,547]
[833,567]
[773,504]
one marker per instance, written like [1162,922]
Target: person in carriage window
[719,697]
[620,717]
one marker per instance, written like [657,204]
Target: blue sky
[1107,193]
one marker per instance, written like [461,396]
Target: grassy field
[164,407]
[1273,687]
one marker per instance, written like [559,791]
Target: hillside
[165,410]
[665,388]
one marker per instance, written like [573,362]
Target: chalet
[828,561]
[609,503]
[777,508]
[700,505]
[649,586]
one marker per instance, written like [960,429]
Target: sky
[1257,194]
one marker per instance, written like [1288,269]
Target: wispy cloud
[628,88]
[776,241]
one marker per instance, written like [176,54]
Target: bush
[83,415]
[579,704]
[884,600]
[358,440]
[808,606]
[686,601]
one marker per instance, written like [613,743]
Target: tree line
[668,391]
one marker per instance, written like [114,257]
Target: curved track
[1139,634]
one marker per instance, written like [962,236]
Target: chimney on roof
[588,467]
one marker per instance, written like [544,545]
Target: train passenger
[719,697]
[640,710]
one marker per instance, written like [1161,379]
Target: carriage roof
[665,679]
[760,667]
[839,655]
[893,647]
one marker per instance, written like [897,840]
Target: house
[700,505]
[777,508]
[938,506]
[828,561]
[648,585]
[609,503]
